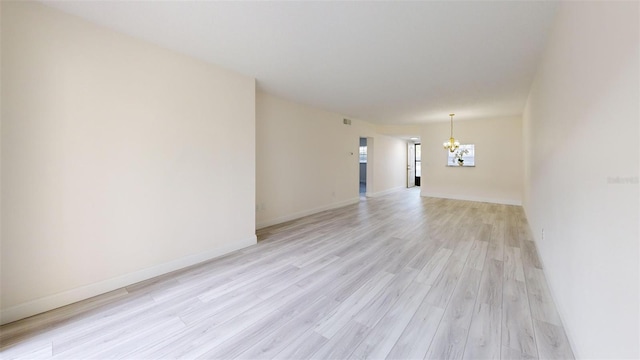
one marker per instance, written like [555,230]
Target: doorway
[363,167]
[418,163]
[414,164]
[411,165]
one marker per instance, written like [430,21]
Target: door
[411,165]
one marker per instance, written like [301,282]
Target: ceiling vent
[346,121]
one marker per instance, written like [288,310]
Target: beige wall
[389,165]
[120,160]
[581,135]
[307,160]
[497,176]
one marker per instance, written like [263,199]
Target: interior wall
[497,176]
[389,165]
[583,193]
[121,160]
[307,160]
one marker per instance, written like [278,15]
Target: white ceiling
[384,62]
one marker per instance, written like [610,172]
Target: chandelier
[453,144]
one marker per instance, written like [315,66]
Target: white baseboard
[386,192]
[299,214]
[472,198]
[51,302]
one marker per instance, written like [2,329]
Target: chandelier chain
[451,145]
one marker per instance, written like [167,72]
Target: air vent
[346,121]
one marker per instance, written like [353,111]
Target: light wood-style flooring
[396,277]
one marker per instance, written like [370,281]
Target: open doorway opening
[418,164]
[414,164]
[411,164]
[363,167]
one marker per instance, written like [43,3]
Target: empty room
[320,180]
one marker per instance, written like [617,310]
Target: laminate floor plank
[512,231]
[448,343]
[373,311]
[432,269]
[530,254]
[513,268]
[478,254]
[398,259]
[328,248]
[517,325]
[128,322]
[71,323]
[276,341]
[345,267]
[552,341]
[484,339]
[443,287]
[496,244]
[386,332]
[334,321]
[485,333]
[210,332]
[428,249]
[234,346]
[302,346]
[460,308]
[49,322]
[242,294]
[416,338]
[266,327]
[120,344]
[283,282]
[219,277]
[342,345]
[245,281]
[397,276]
[490,291]
[485,229]
[451,336]
[111,337]
[42,350]
[511,354]
[542,306]
[294,294]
